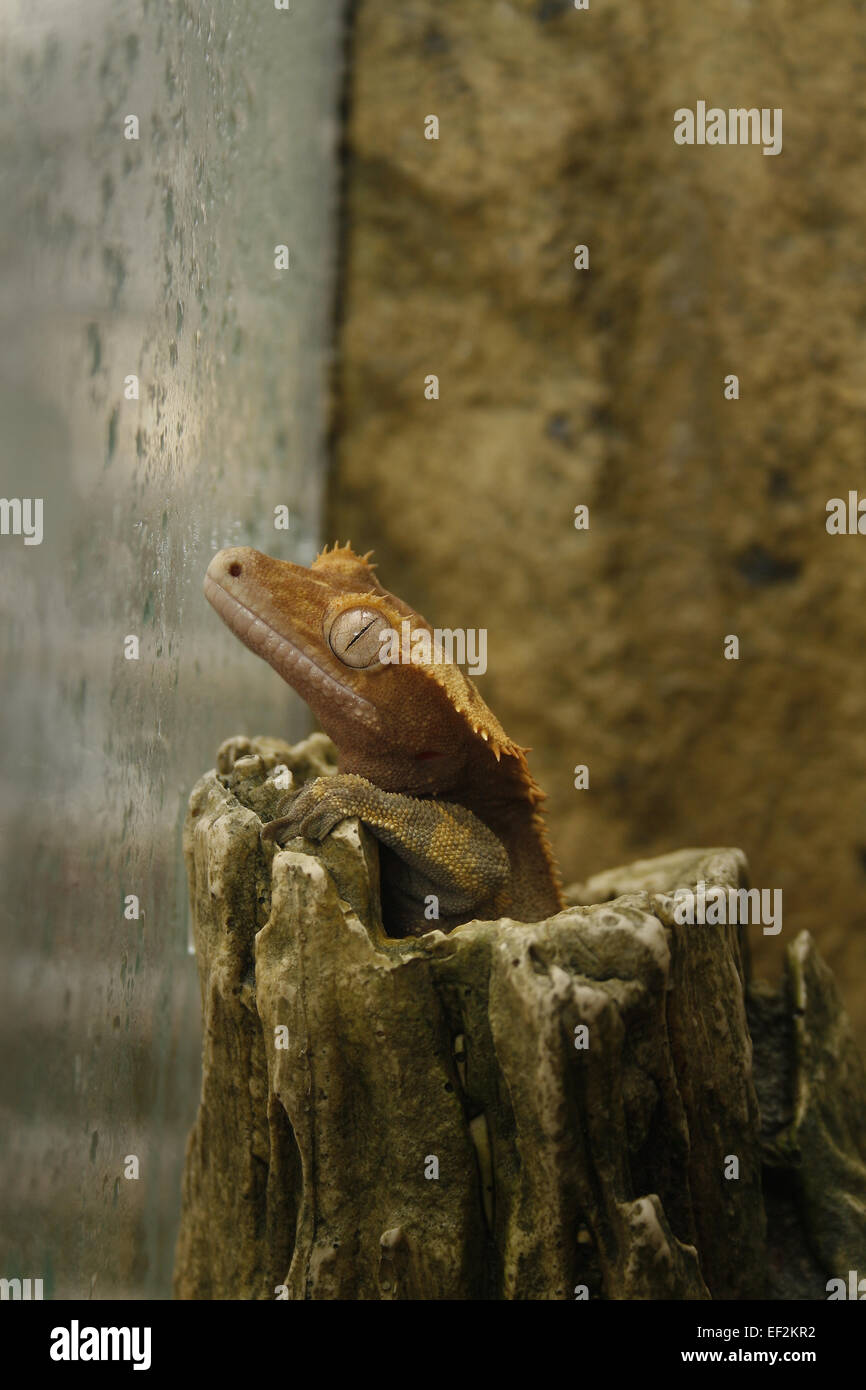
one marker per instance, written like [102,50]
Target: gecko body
[422,761]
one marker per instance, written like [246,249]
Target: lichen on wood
[512,1110]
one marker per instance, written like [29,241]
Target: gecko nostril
[235,569]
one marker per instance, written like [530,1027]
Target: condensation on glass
[162,391]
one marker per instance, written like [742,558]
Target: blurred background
[154,258]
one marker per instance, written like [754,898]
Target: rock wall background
[605,387]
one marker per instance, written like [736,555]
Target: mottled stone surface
[342,1067]
[811,1087]
[605,387]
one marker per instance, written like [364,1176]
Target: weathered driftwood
[516,1111]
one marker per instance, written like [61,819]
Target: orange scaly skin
[422,761]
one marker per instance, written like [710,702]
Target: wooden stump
[545,1110]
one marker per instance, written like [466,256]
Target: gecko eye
[355,636]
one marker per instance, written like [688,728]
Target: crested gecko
[422,761]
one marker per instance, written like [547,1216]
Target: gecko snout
[224,564]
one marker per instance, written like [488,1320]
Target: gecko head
[340,640]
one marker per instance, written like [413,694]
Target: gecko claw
[279,830]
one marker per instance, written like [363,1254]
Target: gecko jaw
[287,658]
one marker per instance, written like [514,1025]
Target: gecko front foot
[444,850]
[317,808]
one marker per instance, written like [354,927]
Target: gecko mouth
[287,658]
